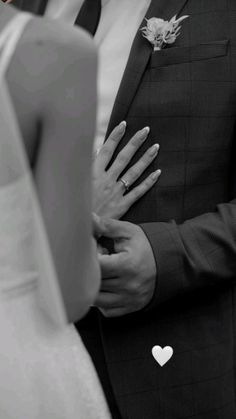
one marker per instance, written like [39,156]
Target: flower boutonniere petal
[161,32]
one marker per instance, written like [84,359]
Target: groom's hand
[129,274]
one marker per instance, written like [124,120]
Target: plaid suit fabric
[187,94]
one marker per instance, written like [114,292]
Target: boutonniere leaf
[161,32]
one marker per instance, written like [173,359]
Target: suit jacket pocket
[188,54]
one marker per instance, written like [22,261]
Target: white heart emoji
[162,355]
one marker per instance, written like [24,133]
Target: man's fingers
[115,312]
[111,265]
[107,300]
[106,152]
[104,227]
[127,152]
[114,229]
[141,189]
[111,285]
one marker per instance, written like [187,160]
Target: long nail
[155,175]
[154,149]
[122,126]
[145,130]
[144,134]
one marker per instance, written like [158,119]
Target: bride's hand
[108,191]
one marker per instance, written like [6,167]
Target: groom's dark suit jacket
[187,94]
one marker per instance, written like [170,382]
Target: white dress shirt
[120,20]
[67,10]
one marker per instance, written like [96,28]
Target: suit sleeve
[18,4]
[199,253]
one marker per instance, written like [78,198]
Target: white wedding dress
[45,371]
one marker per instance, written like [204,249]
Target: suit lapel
[33,6]
[42,7]
[138,59]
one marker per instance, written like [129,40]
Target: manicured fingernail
[154,149]
[123,125]
[146,130]
[155,175]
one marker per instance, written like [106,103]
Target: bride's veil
[15,173]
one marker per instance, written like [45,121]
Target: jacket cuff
[167,250]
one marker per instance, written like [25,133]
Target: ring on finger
[125,183]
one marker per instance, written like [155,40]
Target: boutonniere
[161,32]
